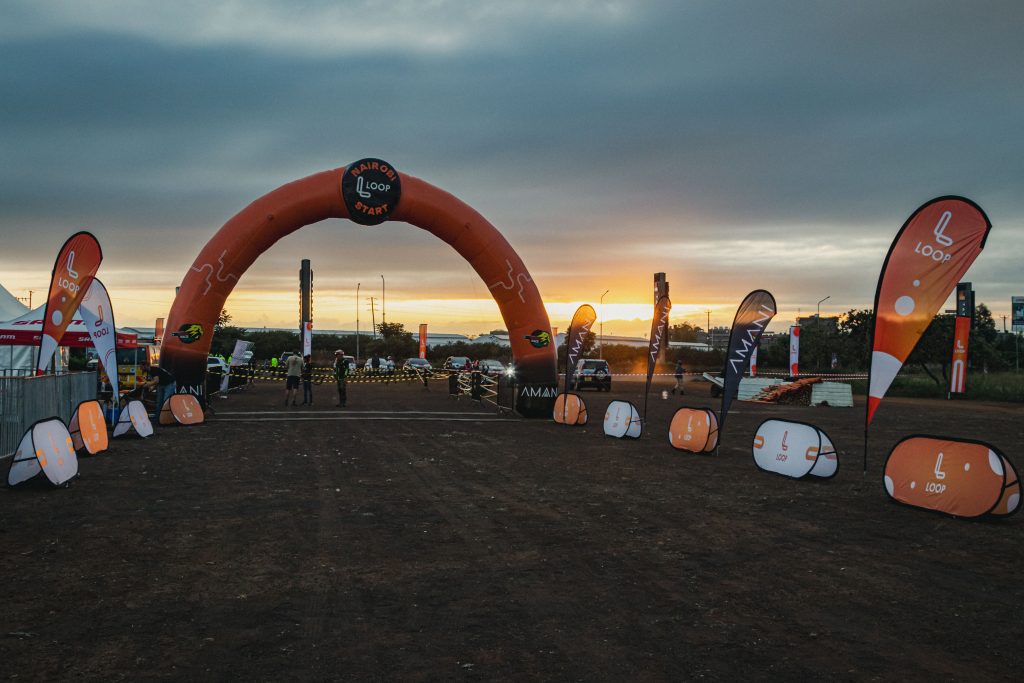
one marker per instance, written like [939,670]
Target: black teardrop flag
[752,317]
[659,340]
[575,338]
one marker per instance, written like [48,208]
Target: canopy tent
[19,340]
[10,307]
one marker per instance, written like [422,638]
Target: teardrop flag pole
[928,257]
[575,338]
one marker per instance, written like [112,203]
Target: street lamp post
[600,345]
[357,324]
[383,319]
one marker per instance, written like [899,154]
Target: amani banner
[930,254]
[98,316]
[753,315]
[659,341]
[582,320]
[73,271]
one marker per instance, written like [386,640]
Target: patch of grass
[995,386]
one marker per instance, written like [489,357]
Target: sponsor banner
[929,256]
[694,430]
[133,419]
[956,477]
[794,351]
[88,428]
[658,341]
[371,189]
[307,339]
[242,347]
[794,449]
[958,366]
[182,409]
[73,271]
[570,409]
[423,340]
[98,316]
[536,400]
[46,447]
[582,320]
[1017,313]
[753,361]
[622,420]
[158,332]
[752,316]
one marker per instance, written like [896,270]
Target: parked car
[215,364]
[593,372]
[457,363]
[351,360]
[417,365]
[492,368]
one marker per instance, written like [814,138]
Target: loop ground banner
[183,409]
[46,447]
[957,477]
[88,428]
[133,417]
[622,420]
[73,271]
[930,254]
[570,409]
[694,430]
[794,449]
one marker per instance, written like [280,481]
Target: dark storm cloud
[671,121]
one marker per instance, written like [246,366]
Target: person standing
[680,373]
[340,373]
[292,376]
[307,381]
[163,381]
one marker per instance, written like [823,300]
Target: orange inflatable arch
[369,192]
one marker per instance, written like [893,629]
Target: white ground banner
[133,417]
[622,420]
[46,447]
[794,449]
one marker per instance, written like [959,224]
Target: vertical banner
[307,339]
[242,347]
[753,315]
[794,351]
[961,337]
[753,361]
[73,271]
[158,332]
[423,340]
[1017,313]
[659,340]
[582,320]
[98,316]
[929,255]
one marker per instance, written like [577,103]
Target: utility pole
[357,323]
[373,314]
[1004,324]
[600,343]
[708,338]
[382,300]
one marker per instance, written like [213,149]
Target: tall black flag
[752,317]
[659,340]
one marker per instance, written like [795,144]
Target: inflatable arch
[368,192]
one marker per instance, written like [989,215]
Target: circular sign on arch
[371,189]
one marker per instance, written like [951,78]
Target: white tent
[10,307]
[14,359]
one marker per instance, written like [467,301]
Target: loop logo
[371,189]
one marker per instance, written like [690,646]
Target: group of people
[300,369]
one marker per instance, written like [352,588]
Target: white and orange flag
[930,254]
[98,315]
[73,272]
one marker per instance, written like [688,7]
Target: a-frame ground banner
[694,430]
[88,428]
[794,449]
[183,409]
[133,418]
[46,447]
[570,409]
[622,420]
[957,477]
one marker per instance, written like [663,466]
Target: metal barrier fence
[24,400]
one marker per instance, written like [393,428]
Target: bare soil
[415,537]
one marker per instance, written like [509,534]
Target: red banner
[73,272]
[930,254]
[958,371]
[423,340]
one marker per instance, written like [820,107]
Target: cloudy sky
[733,146]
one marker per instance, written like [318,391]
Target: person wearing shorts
[292,378]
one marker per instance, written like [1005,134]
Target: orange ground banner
[930,254]
[182,409]
[570,409]
[694,430]
[88,428]
[956,477]
[73,271]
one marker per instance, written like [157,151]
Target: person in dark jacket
[340,373]
[680,373]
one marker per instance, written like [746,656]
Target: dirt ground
[415,537]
